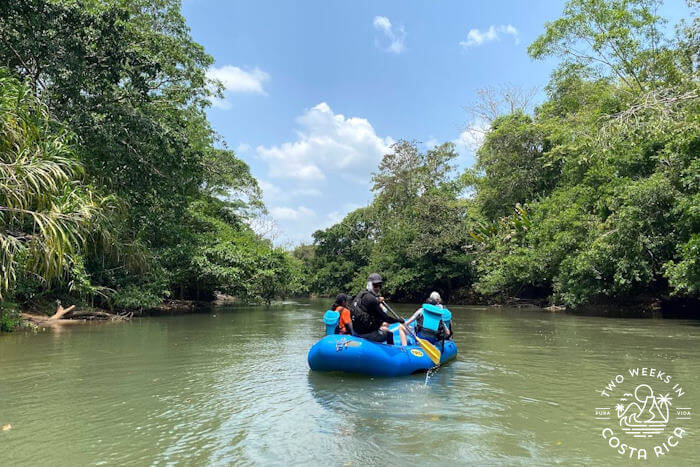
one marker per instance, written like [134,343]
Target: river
[232,386]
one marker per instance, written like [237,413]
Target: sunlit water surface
[232,386]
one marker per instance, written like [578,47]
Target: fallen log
[61,312]
[72,316]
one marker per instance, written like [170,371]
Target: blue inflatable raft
[352,354]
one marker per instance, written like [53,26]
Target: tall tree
[610,216]
[128,79]
[619,38]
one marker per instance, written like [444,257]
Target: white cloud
[270,190]
[274,193]
[471,138]
[287,213]
[393,37]
[476,37]
[382,23]
[431,143]
[307,192]
[327,144]
[237,80]
[334,217]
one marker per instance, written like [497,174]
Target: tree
[421,233]
[621,38]
[342,252]
[513,166]
[128,80]
[47,212]
[603,201]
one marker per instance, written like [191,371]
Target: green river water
[232,386]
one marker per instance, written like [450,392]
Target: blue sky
[317,90]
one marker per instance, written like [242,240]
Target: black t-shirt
[367,315]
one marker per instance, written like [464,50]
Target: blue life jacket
[432,315]
[447,318]
[330,319]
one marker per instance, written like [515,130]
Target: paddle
[429,348]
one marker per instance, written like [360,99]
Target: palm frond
[46,210]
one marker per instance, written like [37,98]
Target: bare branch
[494,101]
[663,103]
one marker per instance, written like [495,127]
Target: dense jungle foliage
[114,190]
[592,196]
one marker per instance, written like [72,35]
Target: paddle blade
[430,349]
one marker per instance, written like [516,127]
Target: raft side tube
[352,354]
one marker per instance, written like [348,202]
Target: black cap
[375,278]
[341,298]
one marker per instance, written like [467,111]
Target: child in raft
[443,330]
[345,322]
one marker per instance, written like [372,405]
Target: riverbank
[639,307]
[43,317]
[51,315]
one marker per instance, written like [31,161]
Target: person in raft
[442,332]
[345,322]
[369,320]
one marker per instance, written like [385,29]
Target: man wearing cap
[369,320]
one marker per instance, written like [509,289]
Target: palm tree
[46,211]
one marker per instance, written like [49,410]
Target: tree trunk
[60,312]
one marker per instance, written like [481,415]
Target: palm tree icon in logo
[646,415]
